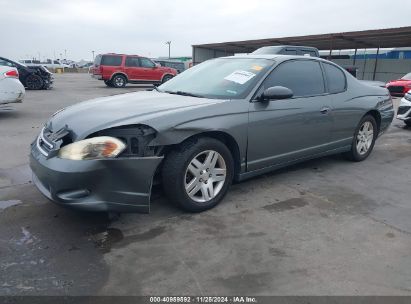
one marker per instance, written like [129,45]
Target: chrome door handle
[325,110]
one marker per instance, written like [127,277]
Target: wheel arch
[377,116]
[166,74]
[118,73]
[226,139]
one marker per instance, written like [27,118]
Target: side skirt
[247,175]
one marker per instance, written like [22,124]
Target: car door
[149,70]
[132,68]
[346,113]
[286,130]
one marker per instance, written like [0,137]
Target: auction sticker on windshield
[240,77]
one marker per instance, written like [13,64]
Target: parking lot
[323,227]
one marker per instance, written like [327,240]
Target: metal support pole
[365,63]
[355,56]
[169,48]
[331,48]
[376,62]
[194,56]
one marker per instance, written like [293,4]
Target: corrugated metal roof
[384,38]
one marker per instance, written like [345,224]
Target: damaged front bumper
[404,109]
[117,184]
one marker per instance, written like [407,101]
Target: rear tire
[34,82]
[119,81]
[197,174]
[364,139]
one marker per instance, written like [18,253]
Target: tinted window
[303,77]
[289,52]
[111,60]
[146,63]
[335,78]
[132,62]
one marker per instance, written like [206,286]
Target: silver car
[224,120]
[404,110]
[11,89]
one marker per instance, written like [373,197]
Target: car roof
[276,57]
[105,54]
[290,46]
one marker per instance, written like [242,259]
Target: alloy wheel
[205,176]
[119,81]
[365,137]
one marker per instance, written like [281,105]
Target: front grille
[396,89]
[402,110]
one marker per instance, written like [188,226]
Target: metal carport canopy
[382,38]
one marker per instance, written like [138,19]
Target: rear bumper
[97,76]
[119,184]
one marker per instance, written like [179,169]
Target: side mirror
[157,65]
[276,92]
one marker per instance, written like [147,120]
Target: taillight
[12,73]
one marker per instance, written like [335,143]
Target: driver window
[303,77]
[146,63]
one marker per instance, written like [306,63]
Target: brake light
[12,73]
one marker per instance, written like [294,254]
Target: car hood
[94,115]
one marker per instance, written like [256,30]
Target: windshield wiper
[184,94]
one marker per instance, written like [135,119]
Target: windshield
[407,77]
[222,78]
[268,50]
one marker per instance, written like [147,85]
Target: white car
[11,89]
[404,110]
[49,64]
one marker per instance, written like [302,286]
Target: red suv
[118,69]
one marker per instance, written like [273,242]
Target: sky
[53,28]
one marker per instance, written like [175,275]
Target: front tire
[34,82]
[364,139]
[197,175]
[119,81]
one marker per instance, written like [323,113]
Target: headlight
[93,148]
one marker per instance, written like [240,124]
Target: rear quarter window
[111,60]
[336,80]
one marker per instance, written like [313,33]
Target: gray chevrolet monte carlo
[224,120]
